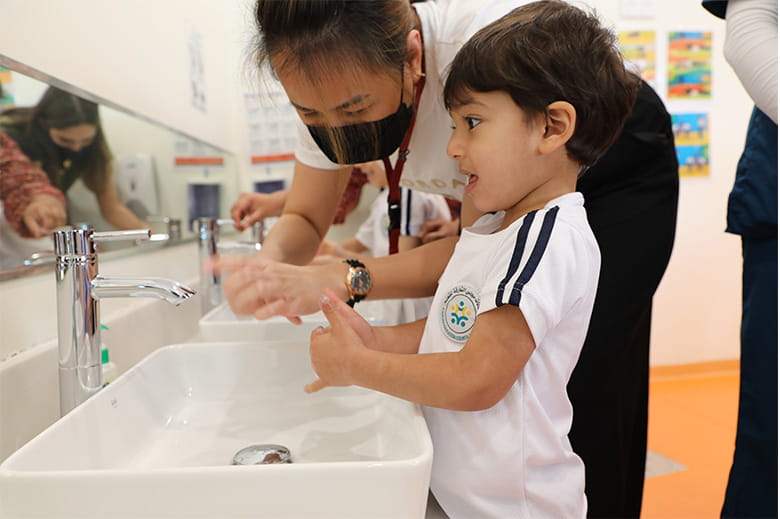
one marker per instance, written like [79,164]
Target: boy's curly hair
[549,51]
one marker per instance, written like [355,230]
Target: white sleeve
[751,49]
[436,208]
[418,207]
[365,233]
[538,271]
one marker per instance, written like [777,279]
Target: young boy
[417,208]
[536,98]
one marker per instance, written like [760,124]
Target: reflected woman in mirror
[63,136]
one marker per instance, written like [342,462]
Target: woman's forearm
[292,240]
[414,273]
[121,217]
[310,205]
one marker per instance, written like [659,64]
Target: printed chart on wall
[692,140]
[638,48]
[690,65]
[271,121]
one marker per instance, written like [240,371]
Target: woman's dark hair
[58,109]
[551,51]
[316,36]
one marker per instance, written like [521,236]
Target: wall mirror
[163,176]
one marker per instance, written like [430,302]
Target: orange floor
[692,424]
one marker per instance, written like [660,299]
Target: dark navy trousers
[752,487]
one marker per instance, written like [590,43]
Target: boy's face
[496,145]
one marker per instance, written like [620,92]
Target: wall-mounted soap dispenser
[136,183]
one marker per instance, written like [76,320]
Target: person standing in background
[751,50]
[63,136]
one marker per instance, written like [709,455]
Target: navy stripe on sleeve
[522,237]
[408,212]
[536,256]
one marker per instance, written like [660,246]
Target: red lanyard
[394,177]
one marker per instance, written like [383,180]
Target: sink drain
[263,454]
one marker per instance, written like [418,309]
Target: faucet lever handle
[135,234]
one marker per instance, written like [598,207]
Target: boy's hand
[336,350]
[437,229]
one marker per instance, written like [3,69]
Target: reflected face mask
[364,142]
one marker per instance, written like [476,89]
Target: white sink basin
[221,324]
[159,441]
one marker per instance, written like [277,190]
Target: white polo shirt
[446,25]
[515,459]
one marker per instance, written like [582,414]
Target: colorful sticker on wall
[638,47]
[692,140]
[690,65]
[6,88]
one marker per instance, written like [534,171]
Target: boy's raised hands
[337,351]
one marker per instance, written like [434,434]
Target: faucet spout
[161,288]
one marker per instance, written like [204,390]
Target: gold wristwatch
[358,281]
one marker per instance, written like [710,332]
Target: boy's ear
[561,118]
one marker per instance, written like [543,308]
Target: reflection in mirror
[96,165]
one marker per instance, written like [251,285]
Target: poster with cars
[692,140]
[638,48]
[690,65]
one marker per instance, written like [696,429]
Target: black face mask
[69,154]
[365,142]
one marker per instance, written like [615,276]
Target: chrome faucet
[79,290]
[209,245]
[42,257]
[172,228]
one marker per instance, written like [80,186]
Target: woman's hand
[265,288]
[42,214]
[336,351]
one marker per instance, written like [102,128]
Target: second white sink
[221,324]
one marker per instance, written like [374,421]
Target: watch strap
[354,298]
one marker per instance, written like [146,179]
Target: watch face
[360,281]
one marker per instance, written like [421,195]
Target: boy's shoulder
[560,229]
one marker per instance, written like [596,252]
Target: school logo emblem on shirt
[459,311]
